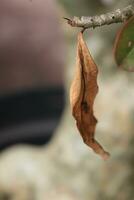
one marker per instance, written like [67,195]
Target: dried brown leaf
[82,95]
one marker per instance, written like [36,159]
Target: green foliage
[82,7]
[124,46]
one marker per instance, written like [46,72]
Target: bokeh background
[42,156]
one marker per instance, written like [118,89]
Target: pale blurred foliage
[67,169]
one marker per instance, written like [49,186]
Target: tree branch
[103,19]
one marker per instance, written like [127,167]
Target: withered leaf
[82,95]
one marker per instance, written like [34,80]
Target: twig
[103,19]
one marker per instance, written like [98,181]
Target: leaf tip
[106,156]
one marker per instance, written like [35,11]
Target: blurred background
[42,155]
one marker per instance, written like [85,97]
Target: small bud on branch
[103,19]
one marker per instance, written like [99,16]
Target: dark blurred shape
[30,117]
[31,71]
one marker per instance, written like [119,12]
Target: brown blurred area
[31,71]
[31,45]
